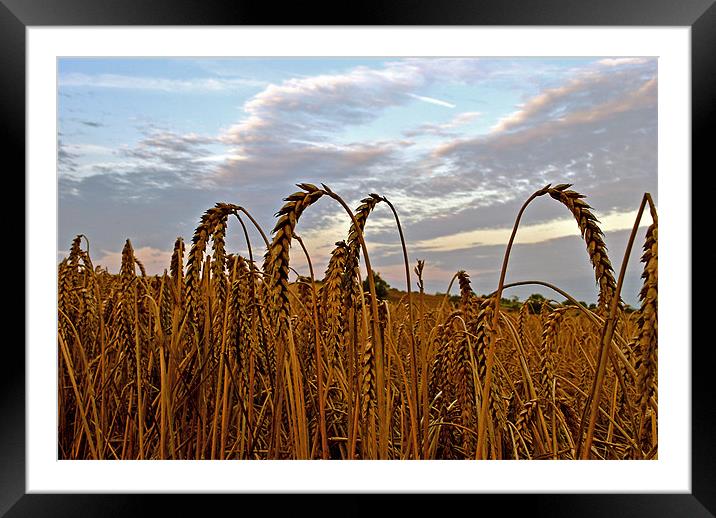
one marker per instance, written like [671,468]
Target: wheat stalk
[276,269]
[593,237]
[647,336]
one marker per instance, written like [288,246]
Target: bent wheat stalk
[377,336]
[481,424]
[276,269]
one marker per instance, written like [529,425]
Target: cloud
[562,261]
[165,144]
[567,105]
[615,62]
[527,234]
[324,103]
[446,129]
[121,82]
[291,127]
[81,149]
[177,158]
[597,130]
[354,97]
[66,159]
[154,260]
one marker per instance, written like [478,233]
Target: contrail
[432,101]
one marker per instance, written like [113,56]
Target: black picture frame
[700,15]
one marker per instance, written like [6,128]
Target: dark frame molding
[700,15]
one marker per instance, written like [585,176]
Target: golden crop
[227,359]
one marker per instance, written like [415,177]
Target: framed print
[351,259]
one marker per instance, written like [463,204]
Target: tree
[535,302]
[511,303]
[381,286]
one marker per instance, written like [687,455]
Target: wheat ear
[594,239]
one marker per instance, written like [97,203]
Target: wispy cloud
[66,159]
[164,159]
[615,62]
[528,233]
[545,108]
[123,82]
[446,129]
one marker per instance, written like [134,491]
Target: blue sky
[146,145]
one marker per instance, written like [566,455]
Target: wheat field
[226,357]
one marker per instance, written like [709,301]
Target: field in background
[225,357]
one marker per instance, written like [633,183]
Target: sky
[145,146]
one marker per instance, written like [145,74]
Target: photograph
[357,257]
[410,250]
[403,248]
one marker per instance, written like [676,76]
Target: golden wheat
[226,359]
